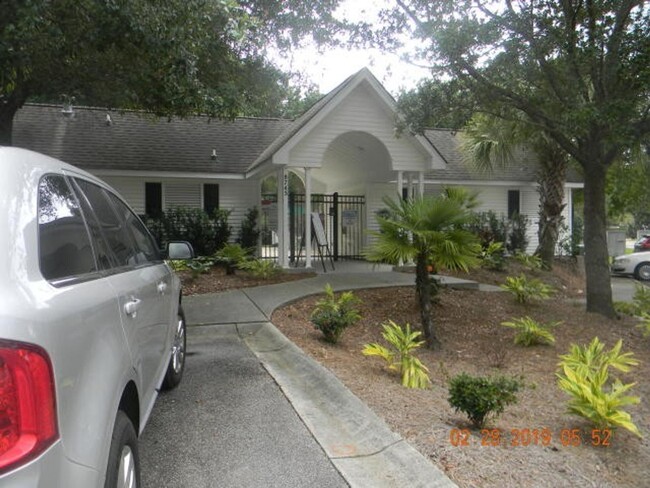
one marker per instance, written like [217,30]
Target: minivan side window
[64,244]
[147,250]
[113,228]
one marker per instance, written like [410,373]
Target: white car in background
[91,326]
[636,264]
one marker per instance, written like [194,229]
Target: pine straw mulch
[473,341]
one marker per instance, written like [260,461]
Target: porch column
[421,184]
[409,182]
[400,183]
[283,218]
[307,217]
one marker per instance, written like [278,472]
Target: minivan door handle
[131,307]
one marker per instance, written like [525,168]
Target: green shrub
[249,232]
[645,324]
[231,255]
[260,268]
[517,236]
[198,266]
[626,308]
[492,257]
[333,315]
[400,357]
[641,298]
[531,262]
[479,397]
[585,376]
[526,290]
[529,332]
[206,233]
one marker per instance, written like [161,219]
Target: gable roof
[138,141]
[447,142]
[327,103]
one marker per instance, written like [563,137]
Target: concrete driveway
[228,424]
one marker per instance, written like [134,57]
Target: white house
[345,147]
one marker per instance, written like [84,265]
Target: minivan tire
[123,469]
[177,360]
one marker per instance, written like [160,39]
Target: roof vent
[67,110]
[109,121]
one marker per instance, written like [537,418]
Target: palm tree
[429,231]
[489,141]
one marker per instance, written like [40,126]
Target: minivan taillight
[28,423]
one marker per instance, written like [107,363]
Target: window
[210,198]
[153,199]
[114,230]
[64,244]
[513,203]
[147,250]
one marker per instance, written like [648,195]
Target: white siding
[182,194]
[360,109]
[234,195]
[131,189]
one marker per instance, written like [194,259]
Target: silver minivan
[91,327]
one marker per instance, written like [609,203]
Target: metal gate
[342,216]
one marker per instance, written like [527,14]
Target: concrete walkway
[358,443]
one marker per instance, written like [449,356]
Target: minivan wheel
[123,469]
[177,360]
[642,272]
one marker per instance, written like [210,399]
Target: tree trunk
[599,287]
[423,290]
[7,112]
[551,192]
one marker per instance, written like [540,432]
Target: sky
[331,67]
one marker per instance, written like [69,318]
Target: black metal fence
[342,217]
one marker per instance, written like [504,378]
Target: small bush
[529,332]
[400,357]
[199,266]
[480,397]
[260,268]
[333,315]
[493,256]
[231,255]
[641,298]
[249,233]
[529,261]
[517,237]
[206,233]
[526,290]
[626,308]
[585,376]
[645,324]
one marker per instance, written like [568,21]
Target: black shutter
[513,203]
[153,199]
[210,198]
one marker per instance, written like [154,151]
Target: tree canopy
[578,70]
[170,57]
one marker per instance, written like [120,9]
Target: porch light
[214,155]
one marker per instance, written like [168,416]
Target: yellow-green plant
[526,290]
[400,356]
[641,298]
[645,324]
[530,261]
[529,332]
[333,315]
[585,376]
[260,268]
